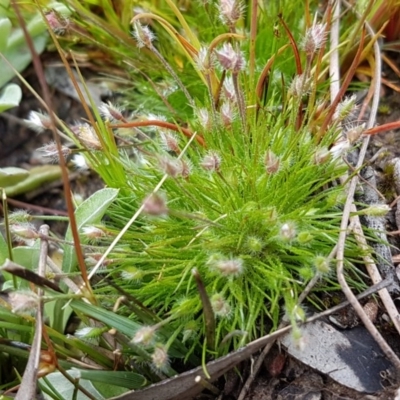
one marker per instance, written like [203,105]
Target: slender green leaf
[5,29]
[12,175]
[91,211]
[125,379]
[122,324]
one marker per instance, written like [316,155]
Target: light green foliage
[10,97]
[235,180]
[13,46]
[91,211]
[250,210]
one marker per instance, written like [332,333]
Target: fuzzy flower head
[227,267]
[143,35]
[230,11]
[340,148]
[132,274]
[170,166]
[354,133]
[169,141]
[229,89]
[79,163]
[231,59]
[203,60]
[287,231]
[87,136]
[227,114]
[19,217]
[38,122]
[204,118]
[314,39]
[299,86]
[58,24]
[345,108]
[271,162]
[155,204]
[186,168]
[50,151]
[254,245]
[211,161]
[160,359]
[220,306]
[24,232]
[23,302]
[93,233]
[110,112]
[144,336]
[322,264]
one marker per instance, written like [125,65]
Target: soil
[282,377]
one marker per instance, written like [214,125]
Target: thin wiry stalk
[240,100]
[351,208]
[212,100]
[168,67]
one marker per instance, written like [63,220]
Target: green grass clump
[249,202]
[223,167]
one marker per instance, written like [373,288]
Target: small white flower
[37,121]
[79,163]
[93,233]
[229,89]
[202,60]
[339,148]
[23,302]
[144,336]
[83,332]
[50,151]
[110,112]
[87,136]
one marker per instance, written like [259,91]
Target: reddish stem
[383,128]
[293,45]
[162,124]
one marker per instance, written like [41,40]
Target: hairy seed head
[50,151]
[160,359]
[230,59]
[345,108]
[287,231]
[321,264]
[155,204]
[110,112]
[230,267]
[143,35]
[211,161]
[227,114]
[19,217]
[169,141]
[87,136]
[23,301]
[314,39]
[38,122]
[230,11]
[144,336]
[93,233]
[220,306]
[271,162]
